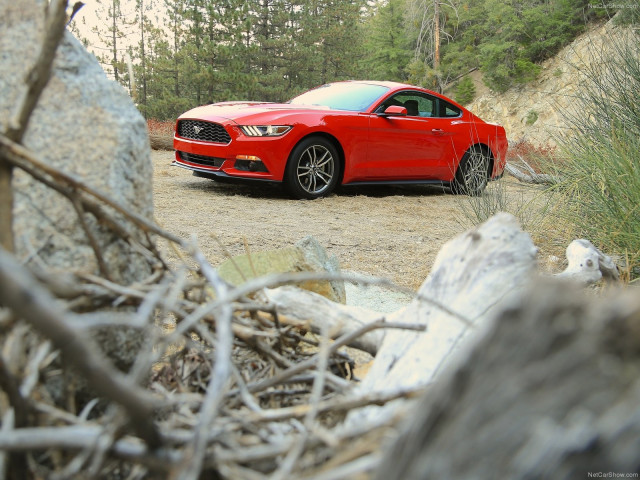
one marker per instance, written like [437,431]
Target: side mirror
[394,111]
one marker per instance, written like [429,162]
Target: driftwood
[526,174]
[587,264]
[551,391]
[472,275]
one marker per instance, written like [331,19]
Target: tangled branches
[220,382]
[174,376]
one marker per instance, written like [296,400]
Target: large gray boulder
[84,124]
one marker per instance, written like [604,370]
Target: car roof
[394,86]
[379,82]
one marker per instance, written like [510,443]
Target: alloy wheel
[316,168]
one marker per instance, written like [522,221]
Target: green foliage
[602,166]
[465,91]
[507,39]
[231,49]
[387,44]
[629,15]
[273,49]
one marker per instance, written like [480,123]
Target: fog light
[250,163]
[251,158]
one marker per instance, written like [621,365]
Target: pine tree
[465,91]
[388,47]
[118,27]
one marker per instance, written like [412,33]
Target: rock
[307,255]
[550,391]
[536,112]
[84,124]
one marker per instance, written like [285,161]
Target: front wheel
[313,169]
[473,172]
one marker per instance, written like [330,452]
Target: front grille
[201,159]
[204,131]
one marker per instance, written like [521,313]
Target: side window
[422,105]
[417,104]
[447,110]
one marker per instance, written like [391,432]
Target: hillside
[534,112]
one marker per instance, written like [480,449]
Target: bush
[157,127]
[530,204]
[465,91]
[602,165]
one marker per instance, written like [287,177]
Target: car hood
[245,111]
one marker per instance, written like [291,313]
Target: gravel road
[388,231]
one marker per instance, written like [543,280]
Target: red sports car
[348,133]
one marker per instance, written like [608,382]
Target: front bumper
[259,158]
[221,175]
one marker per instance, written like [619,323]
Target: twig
[340,342]
[367,463]
[276,280]
[316,393]
[34,304]
[77,437]
[219,376]
[9,385]
[39,75]
[24,159]
[91,237]
[335,405]
[8,424]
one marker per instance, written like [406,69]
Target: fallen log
[160,142]
[530,176]
[472,276]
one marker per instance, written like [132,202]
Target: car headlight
[265,130]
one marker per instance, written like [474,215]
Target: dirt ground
[388,231]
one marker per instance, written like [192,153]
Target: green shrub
[601,170]
[465,91]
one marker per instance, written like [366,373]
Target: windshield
[354,97]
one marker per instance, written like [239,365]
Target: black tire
[313,169]
[473,172]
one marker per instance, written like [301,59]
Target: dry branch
[32,303]
[530,176]
[91,199]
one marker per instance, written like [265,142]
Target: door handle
[437,131]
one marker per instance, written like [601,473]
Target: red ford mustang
[343,133]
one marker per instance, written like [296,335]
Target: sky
[91,16]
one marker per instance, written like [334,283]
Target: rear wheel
[313,169]
[473,172]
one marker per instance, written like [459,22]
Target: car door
[419,145]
